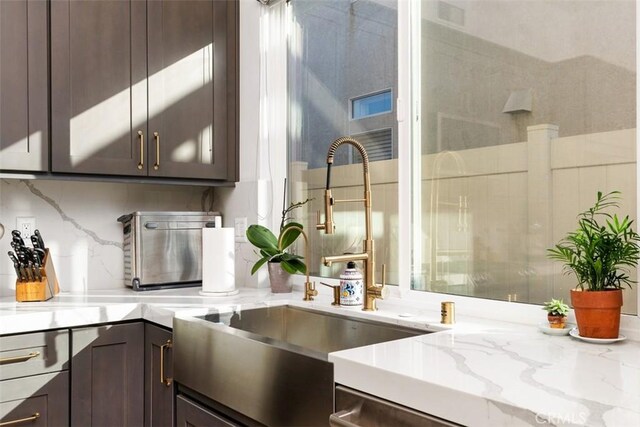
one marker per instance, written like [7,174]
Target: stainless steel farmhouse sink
[271,364]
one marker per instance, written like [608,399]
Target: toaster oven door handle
[173,227]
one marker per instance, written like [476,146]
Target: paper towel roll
[218,262]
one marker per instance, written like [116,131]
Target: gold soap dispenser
[448,312]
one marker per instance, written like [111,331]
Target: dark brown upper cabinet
[24,124]
[145,88]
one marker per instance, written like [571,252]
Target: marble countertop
[478,372]
[502,377]
[67,310]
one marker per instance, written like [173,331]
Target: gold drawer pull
[141,138]
[163,347]
[156,136]
[21,420]
[19,359]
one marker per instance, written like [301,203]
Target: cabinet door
[158,377]
[24,135]
[192,88]
[38,400]
[190,414]
[98,87]
[107,376]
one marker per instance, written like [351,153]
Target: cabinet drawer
[40,400]
[190,414]
[31,354]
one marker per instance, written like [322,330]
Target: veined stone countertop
[476,373]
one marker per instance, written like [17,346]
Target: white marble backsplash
[78,223]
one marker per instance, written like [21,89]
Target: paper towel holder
[218,262]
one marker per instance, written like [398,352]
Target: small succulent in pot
[557,312]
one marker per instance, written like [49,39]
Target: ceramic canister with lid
[351,286]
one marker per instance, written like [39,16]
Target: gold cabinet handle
[141,138]
[156,136]
[163,347]
[23,358]
[21,420]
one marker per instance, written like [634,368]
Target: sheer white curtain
[272,158]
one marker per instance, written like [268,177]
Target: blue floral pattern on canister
[351,286]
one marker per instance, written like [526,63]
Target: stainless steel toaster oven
[164,249]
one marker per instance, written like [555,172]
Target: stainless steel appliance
[164,249]
[356,409]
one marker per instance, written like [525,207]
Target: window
[338,51]
[513,131]
[519,129]
[371,105]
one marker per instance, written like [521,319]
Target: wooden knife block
[39,291]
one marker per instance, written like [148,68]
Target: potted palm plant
[601,253]
[274,251]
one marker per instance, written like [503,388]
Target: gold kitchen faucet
[372,291]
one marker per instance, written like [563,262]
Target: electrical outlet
[241,229]
[25,225]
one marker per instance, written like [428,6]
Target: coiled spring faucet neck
[346,140]
[365,158]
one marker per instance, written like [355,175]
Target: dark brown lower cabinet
[191,414]
[158,374]
[38,400]
[107,376]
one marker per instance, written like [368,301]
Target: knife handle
[39,236]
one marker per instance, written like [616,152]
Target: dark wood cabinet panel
[158,377]
[38,400]
[24,123]
[99,93]
[107,376]
[192,47]
[145,88]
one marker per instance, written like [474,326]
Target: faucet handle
[310,291]
[376,292]
[382,291]
[319,224]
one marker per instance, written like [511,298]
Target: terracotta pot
[597,312]
[279,278]
[556,322]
